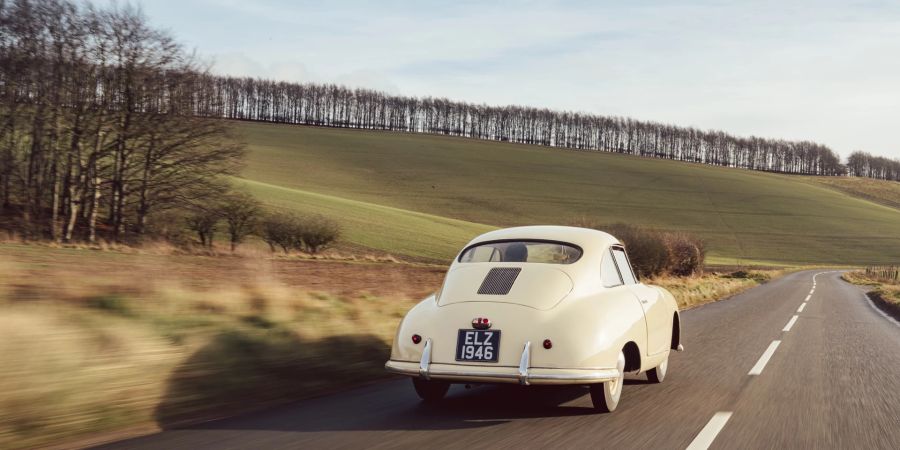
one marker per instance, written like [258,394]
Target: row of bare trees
[863,164]
[95,134]
[339,106]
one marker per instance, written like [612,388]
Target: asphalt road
[831,381]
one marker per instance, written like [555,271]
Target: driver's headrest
[516,252]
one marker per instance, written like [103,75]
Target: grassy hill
[384,228]
[884,192]
[424,196]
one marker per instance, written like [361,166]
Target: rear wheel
[430,391]
[658,373]
[605,396]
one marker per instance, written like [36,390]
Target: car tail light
[548,344]
[416,338]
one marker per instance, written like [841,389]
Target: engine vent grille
[499,281]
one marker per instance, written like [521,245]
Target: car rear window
[524,251]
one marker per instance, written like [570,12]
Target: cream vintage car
[539,305]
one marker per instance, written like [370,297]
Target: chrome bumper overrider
[524,374]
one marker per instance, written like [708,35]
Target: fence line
[886,273]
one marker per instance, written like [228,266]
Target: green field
[424,196]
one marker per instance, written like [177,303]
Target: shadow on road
[240,369]
[394,406]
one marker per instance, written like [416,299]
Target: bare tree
[240,212]
[97,120]
[204,222]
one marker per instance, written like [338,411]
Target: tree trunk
[6,186]
[54,204]
[144,204]
[95,208]
[73,218]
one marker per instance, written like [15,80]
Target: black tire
[430,391]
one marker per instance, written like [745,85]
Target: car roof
[589,240]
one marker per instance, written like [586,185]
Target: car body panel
[658,317]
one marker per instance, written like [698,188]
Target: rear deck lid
[539,286]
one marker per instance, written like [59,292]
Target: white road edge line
[764,359]
[879,311]
[710,431]
[802,306]
[790,323]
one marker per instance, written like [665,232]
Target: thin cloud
[821,70]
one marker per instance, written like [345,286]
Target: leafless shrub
[318,232]
[686,254]
[240,212]
[281,230]
[204,222]
[653,253]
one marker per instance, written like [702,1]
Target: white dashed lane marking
[790,324]
[710,431]
[764,359]
[717,422]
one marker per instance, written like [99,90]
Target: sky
[826,71]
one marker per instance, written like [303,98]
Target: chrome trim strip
[525,363]
[595,376]
[425,362]
[609,373]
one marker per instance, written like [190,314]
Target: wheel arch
[676,331]
[632,356]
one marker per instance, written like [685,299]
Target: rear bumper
[524,374]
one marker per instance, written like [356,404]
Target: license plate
[478,345]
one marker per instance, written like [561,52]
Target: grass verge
[694,291]
[96,341]
[885,295]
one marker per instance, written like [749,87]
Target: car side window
[609,275]
[624,267]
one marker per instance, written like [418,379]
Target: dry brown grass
[95,340]
[694,291]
